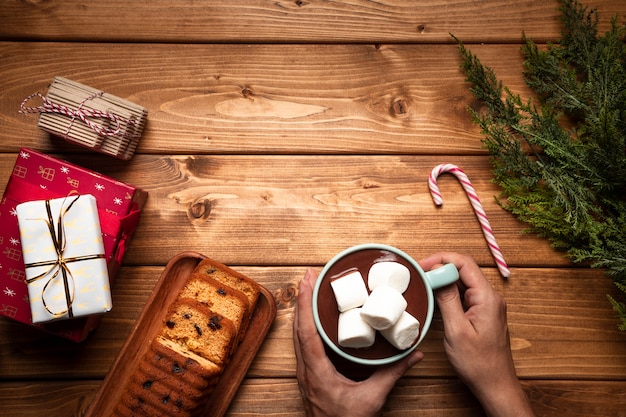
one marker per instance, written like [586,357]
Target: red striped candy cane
[478,209]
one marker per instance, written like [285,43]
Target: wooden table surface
[279,133]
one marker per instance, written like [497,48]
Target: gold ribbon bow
[59,265]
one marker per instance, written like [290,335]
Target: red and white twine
[478,209]
[83,114]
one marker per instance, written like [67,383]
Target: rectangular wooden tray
[148,325]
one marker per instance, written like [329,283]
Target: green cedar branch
[560,159]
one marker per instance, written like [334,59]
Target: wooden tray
[168,287]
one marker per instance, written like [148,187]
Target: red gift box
[37,176]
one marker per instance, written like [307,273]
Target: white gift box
[66,269]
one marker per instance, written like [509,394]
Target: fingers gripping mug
[420,302]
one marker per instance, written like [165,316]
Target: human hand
[476,337]
[326,392]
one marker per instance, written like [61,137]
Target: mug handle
[442,276]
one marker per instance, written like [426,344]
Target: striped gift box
[89,117]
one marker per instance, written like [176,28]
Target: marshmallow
[350,291]
[383,307]
[391,274]
[404,332]
[353,332]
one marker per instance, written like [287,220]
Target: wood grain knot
[421,28]
[400,107]
[286,298]
[200,209]
[247,92]
[367,184]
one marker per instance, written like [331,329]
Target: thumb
[449,302]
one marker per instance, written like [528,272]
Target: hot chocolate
[362,261]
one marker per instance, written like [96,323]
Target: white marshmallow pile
[383,309]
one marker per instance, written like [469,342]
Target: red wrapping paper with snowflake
[38,176]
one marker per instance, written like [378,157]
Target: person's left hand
[325,391]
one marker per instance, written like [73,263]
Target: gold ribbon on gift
[59,265]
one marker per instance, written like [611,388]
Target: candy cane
[478,209]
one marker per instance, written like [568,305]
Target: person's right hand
[476,337]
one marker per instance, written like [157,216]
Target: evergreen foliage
[561,158]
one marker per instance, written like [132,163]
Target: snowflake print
[24,155]
[13,211]
[117,201]
[65,170]
[9,292]
[43,187]
[14,241]
[99,187]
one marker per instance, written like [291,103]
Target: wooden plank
[287,21]
[273,157]
[561,325]
[275,209]
[439,397]
[280,397]
[311,99]
[58,398]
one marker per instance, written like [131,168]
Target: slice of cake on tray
[239,282]
[196,328]
[231,303]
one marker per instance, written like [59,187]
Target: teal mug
[420,300]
